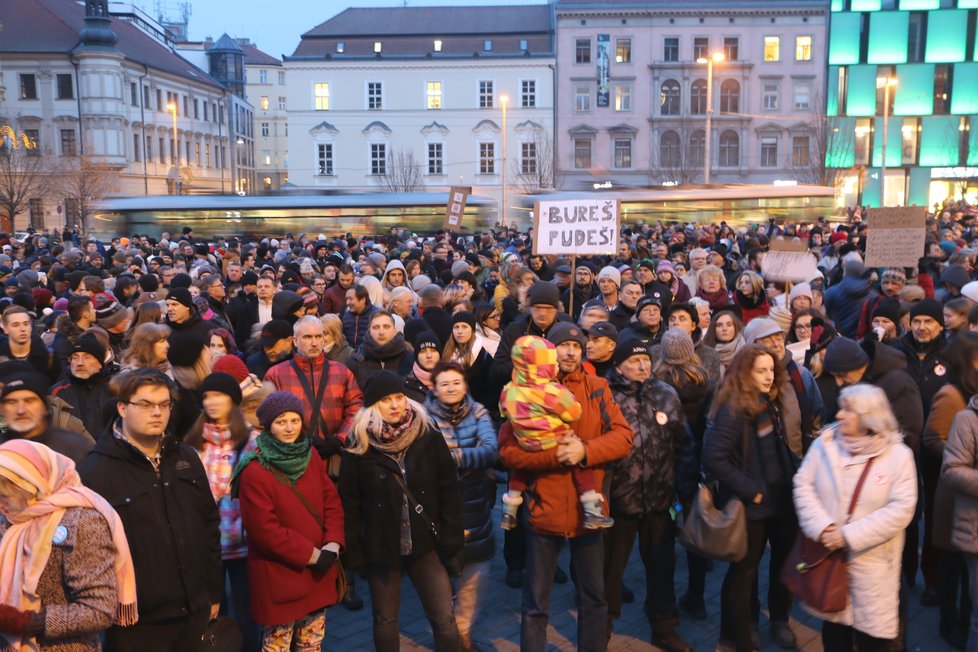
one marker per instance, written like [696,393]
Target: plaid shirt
[341,399]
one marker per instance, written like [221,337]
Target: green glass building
[922,57]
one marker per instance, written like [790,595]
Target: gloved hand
[327,447]
[17,622]
[326,559]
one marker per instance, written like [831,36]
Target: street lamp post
[716,57]
[172,108]
[887,83]
[504,100]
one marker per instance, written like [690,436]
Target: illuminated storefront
[901,84]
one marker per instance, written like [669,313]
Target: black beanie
[181,281]
[149,283]
[543,293]
[888,309]
[223,383]
[88,343]
[185,348]
[464,317]
[75,278]
[844,355]
[628,347]
[928,308]
[383,384]
[181,296]
[426,340]
[249,278]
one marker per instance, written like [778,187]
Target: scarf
[217,457]
[869,444]
[374,351]
[26,547]
[291,460]
[728,350]
[717,299]
[452,414]
[422,375]
[750,302]
[394,438]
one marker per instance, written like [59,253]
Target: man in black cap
[85,385]
[274,346]
[602,338]
[562,277]
[923,346]
[584,290]
[647,327]
[182,315]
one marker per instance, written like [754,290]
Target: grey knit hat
[677,347]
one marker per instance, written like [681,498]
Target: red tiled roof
[255,57]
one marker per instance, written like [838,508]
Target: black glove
[326,559]
[327,447]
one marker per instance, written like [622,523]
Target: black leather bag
[221,635]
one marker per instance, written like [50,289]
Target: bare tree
[831,142]
[680,165]
[84,182]
[404,173]
[24,173]
[535,173]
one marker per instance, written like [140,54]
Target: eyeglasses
[147,406]
[494,315]
[803,327]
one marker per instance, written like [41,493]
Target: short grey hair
[307,320]
[872,406]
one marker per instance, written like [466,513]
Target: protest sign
[895,237]
[457,197]
[788,260]
[585,226]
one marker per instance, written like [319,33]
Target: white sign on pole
[895,237]
[788,260]
[576,226]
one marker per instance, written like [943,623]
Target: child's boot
[511,505]
[594,516]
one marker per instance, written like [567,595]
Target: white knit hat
[612,273]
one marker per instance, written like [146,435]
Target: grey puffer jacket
[644,481]
[959,472]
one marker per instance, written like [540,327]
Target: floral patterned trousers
[303,635]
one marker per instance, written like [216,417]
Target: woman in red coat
[294,522]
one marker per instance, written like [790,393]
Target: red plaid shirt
[341,399]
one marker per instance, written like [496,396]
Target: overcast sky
[276,25]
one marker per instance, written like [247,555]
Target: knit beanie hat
[969,291]
[182,296]
[677,346]
[185,348]
[458,267]
[149,283]
[464,317]
[800,290]
[822,336]
[108,312]
[220,382]
[88,343]
[928,308]
[277,404]
[419,282]
[565,331]
[383,384]
[888,309]
[75,278]
[665,266]
[17,377]
[233,366]
[759,328]
[895,275]
[42,297]
[627,348]
[249,278]
[955,276]
[426,340]
[844,355]
[181,281]
[610,272]
[543,293]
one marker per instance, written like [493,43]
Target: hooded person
[427,354]
[844,299]
[394,276]
[288,306]
[182,315]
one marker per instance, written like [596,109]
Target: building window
[433,94]
[66,90]
[205,111]
[528,158]
[623,50]
[772,48]
[378,47]
[196,109]
[803,48]
[731,48]
[197,158]
[340,47]
[263,103]
[730,96]
[160,106]
[769,152]
[321,93]
[487,158]
[803,95]
[582,99]
[528,98]
[485,94]
[146,96]
[697,149]
[524,45]
[68,147]
[28,87]
[582,153]
[267,183]
[487,45]
[207,154]
[697,97]
[375,96]
[769,96]
[262,76]
[149,148]
[582,50]
[162,150]
[701,47]
[669,97]
[264,129]
[324,158]
[135,148]
[670,48]
[435,159]
[623,98]
[623,152]
[36,209]
[669,150]
[281,103]
[33,137]
[729,149]
[186,105]
[800,151]
[266,157]
[281,78]
[378,159]
[133,94]
[437,45]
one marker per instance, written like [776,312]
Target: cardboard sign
[457,197]
[576,226]
[788,260]
[895,237]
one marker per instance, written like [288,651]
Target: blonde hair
[872,406]
[712,270]
[359,441]
[191,377]
[333,325]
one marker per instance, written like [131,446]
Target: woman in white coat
[873,536]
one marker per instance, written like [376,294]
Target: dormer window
[437,46]
[378,46]
[340,46]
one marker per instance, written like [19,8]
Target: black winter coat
[373,500]
[88,398]
[502,363]
[171,521]
[925,365]
[431,319]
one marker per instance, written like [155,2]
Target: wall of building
[266,90]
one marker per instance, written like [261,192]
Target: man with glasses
[160,490]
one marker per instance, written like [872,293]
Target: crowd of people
[206,430]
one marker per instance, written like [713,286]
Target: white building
[408,98]
[265,89]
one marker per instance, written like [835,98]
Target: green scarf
[291,460]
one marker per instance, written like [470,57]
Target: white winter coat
[874,534]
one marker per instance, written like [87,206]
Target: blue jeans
[587,569]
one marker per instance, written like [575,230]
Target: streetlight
[504,100]
[172,108]
[886,83]
[716,57]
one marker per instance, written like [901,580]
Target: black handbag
[221,635]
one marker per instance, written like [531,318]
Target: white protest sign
[788,260]
[586,226]
[895,237]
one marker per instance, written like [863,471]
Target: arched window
[697,148]
[730,96]
[669,149]
[697,97]
[729,149]
[669,97]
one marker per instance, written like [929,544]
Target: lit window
[321,93]
[487,45]
[340,47]
[772,48]
[266,156]
[523,45]
[803,48]
[378,47]
[433,94]
[623,50]
[623,98]
[437,46]
[263,102]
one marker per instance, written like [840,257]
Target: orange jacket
[555,507]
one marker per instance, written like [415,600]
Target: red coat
[281,536]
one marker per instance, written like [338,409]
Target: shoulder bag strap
[417,507]
[316,399]
[859,488]
[298,494]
